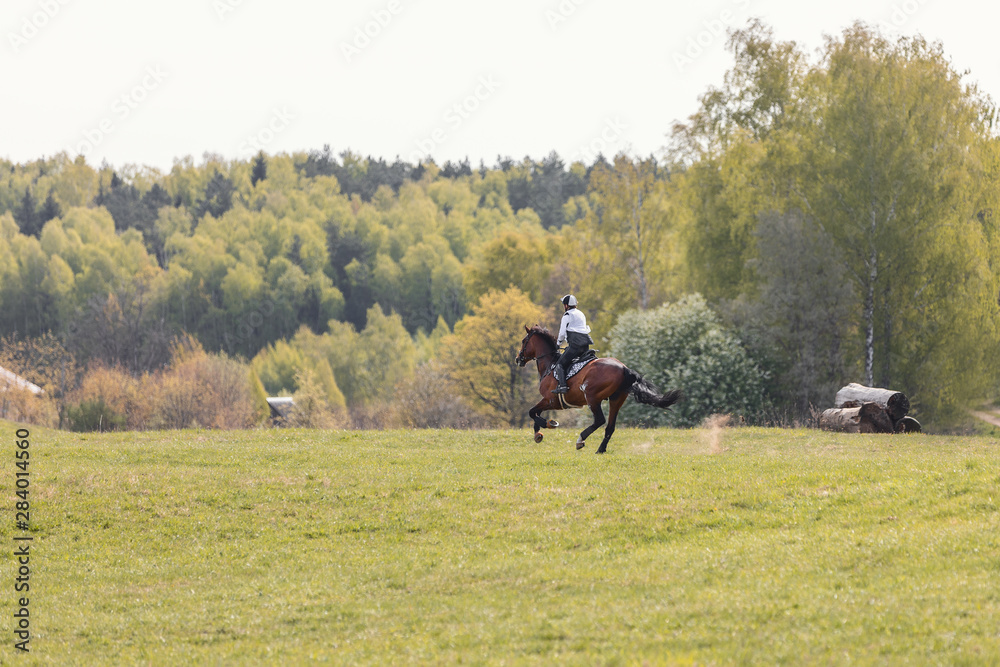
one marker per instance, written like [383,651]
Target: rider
[575,332]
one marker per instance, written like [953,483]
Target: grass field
[743,546]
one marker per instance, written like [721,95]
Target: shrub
[112,392]
[94,415]
[432,400]
[203,390]
[684,346]
[197,390]
[279,365]
[44,361]
[311,408]
[261,410]
[21,405]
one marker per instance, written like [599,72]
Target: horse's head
[525,355]
[537,343]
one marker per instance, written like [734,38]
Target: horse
[604,378]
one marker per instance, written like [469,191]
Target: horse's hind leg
[595,407]
[616,404]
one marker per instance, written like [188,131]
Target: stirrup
[561,389]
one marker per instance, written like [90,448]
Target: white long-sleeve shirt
[572,320]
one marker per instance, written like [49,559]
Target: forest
[817,220]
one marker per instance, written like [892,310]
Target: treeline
[316,237]
[837,216]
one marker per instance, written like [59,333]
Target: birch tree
[630,212]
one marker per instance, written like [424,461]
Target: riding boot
[560,375]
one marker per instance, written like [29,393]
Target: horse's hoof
[580,444]
[552,423]
[538,436]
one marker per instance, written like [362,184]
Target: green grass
[443,547]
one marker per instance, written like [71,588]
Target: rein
[542,356]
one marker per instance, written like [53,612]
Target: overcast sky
[149,82]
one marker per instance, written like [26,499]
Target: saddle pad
[580,363]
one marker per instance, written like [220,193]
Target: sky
[148,83]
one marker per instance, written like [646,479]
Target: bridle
[521,361]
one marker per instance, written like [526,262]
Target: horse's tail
[646,392]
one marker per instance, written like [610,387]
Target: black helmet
[569,300]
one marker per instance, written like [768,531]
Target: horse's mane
[544,333]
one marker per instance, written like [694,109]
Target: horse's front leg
[536,416]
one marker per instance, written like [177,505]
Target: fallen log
[847,420]
[869,417]
[907,425]
[896,403]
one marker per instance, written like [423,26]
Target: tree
[800,321]
[630,213]
[218,196]
[50,209]
[546,189]
[26,307]
[738,156]
[259,171]
[311,408]
[123,328]
[684,346]
[482,350]
[27,216]
[155,199]
[124,202]
[886,151]
[510,259]
[891,173]
[431,283]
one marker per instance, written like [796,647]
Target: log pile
[860,409]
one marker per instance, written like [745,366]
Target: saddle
[580,362]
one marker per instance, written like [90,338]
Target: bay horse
[604,378]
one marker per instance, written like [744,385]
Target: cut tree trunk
[847,420]
[907,425]
[896,403]
[867,418]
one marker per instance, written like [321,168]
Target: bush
[684,346]
[311,408]
[432,400]
[110,392]
[44,361]
[94,415]
[21,405]
[203,390]
[197,390]
[278,366]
